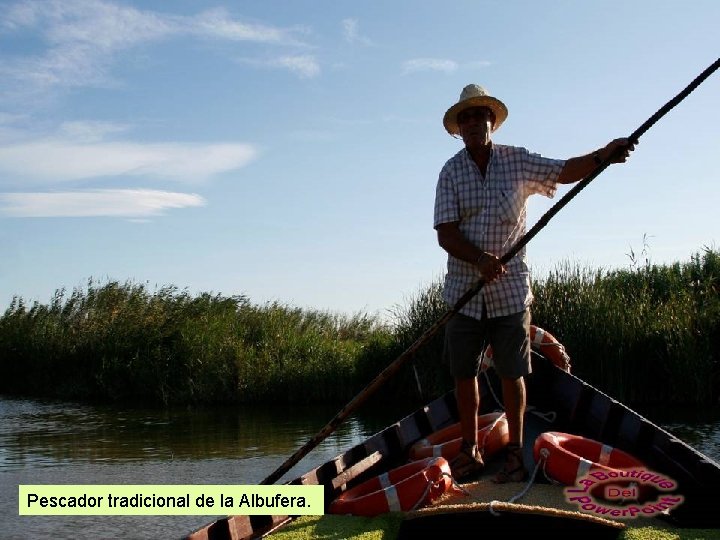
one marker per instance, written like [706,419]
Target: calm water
[62,443]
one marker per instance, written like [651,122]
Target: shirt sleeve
[447,209]
[541,173]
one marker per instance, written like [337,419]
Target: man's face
[475,124]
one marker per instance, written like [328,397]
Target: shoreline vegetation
[646,335]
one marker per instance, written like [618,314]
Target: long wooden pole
[395,366]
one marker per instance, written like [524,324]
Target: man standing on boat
[480,213]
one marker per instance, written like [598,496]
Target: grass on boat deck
[386,527]
[539,497]
[335,527]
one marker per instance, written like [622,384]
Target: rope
[481,446]
[549,416]
[430,485]
[544,453]
[560,347]
[530,482]
[523,492]
[492,390]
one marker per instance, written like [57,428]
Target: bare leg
[514,401]
[469,460]
[468,400]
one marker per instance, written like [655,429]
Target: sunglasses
[480,113]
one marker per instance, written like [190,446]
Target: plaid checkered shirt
[491,212]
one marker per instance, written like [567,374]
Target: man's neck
[481,155]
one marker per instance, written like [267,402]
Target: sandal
[468,461]
[514,469]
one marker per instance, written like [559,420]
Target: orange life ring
[401,489]
[569,457]
[492,436]
[545,343]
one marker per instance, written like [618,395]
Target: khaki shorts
[465,338]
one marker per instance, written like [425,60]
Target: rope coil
[454,484]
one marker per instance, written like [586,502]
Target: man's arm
[577,168]
[452,240]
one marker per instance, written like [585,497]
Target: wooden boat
[557,401]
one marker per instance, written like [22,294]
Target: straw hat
[474,95]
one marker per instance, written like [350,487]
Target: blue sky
[289,151]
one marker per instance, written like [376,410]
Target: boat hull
[557,401]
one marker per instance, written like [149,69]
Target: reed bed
[123,342]
[649,334]
[645,335]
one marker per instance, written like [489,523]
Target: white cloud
[84,35]
[9,118]
[126,203]
[477,64]
[20,14]
[217,23]
[90,131]
[429,64]
[12,126]
[64,159]
[440,64]
[351,31]
[312,135]
[305,66]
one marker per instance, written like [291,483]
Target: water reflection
[700,429]
[48,434]
[64,443]
[704,436]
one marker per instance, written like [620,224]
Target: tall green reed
[425,375]
[647,334]
[123,342]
